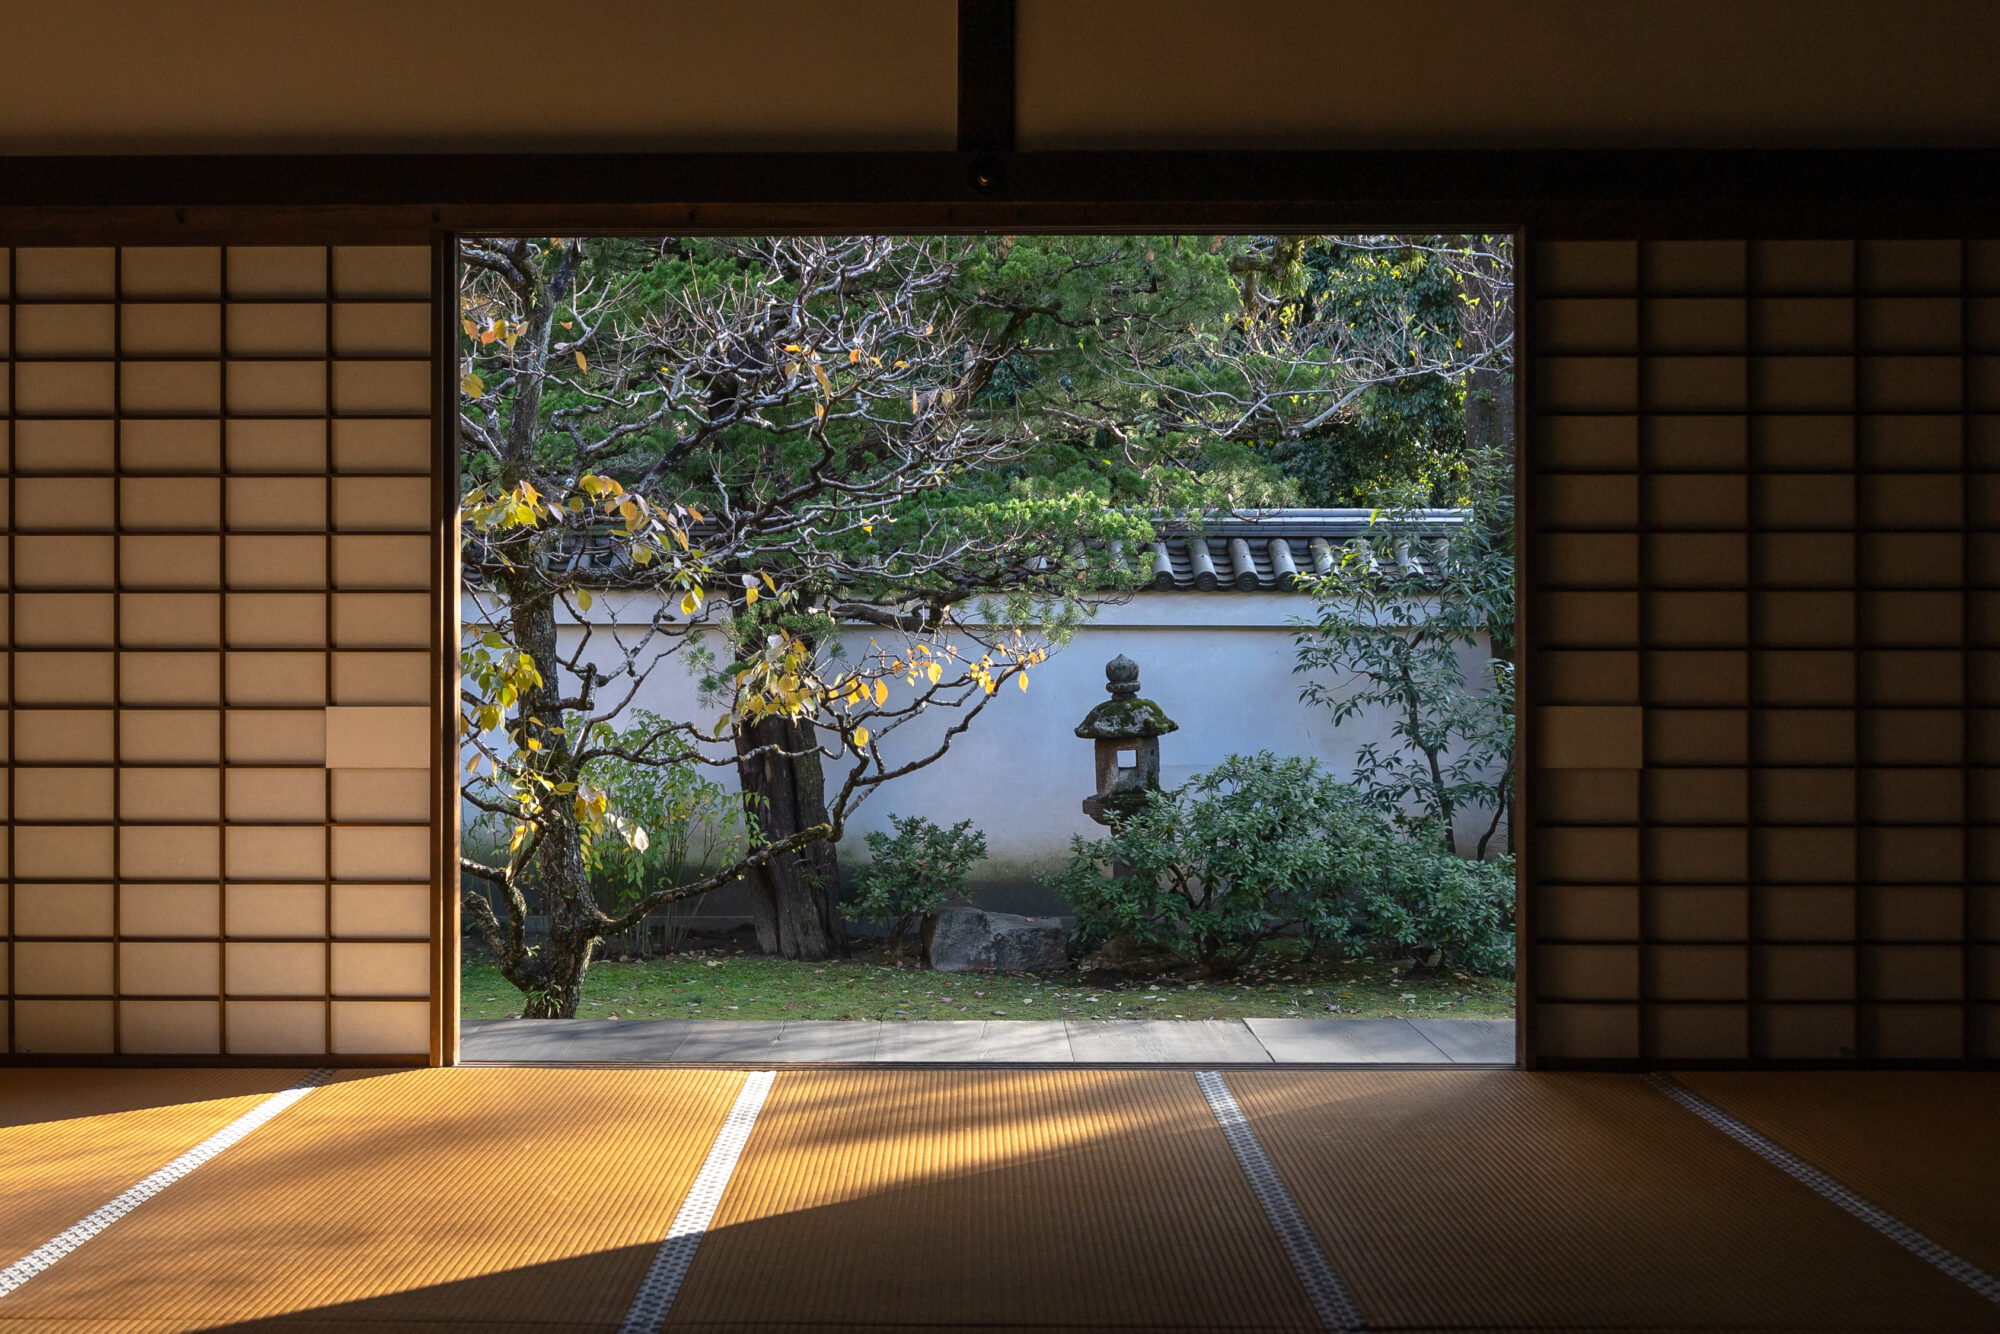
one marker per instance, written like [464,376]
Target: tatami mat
[1922,1144]
[1503,1200]
[990,1200]
[534,1199]
[476,1199]
[72,1139]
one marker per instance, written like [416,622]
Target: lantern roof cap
[1124,717]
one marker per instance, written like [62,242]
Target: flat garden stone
[570,1039]
[841,1040]
[1165,1042]
[1026,1041]
[728,1039]
[1346,1041]
[1185,1042]
[945,1041]
[1471,1041]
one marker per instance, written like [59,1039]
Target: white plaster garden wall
[1220,664]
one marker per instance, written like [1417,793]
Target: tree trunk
[1489,411]
[551,978]
[1489,424]
[794,897]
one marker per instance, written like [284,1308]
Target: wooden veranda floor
[538,1199]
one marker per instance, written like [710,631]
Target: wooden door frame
[430,199]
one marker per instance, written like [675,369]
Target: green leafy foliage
[1264,845]
[914,872]
[1390,635]
[723,982]
[963,442]
[664,821]
[1416,898]
[1401,430]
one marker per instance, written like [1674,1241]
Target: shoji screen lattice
[1766,558]
[220,651]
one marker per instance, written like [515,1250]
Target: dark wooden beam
[1569,193]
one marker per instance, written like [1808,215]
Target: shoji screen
[220,651]
[1766,560]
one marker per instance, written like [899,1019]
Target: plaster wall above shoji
[1138,74]
[362,76]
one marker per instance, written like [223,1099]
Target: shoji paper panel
[1765,602]
[220,565]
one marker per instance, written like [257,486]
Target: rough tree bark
[552,977]
[794,897]
[1489,411]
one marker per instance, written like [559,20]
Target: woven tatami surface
[991,1199]
[444,1199]
[534,1199]
[1925,1145]
[1462,1200]
[72,1139]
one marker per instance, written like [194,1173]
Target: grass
[729,982]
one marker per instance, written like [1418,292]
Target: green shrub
[1415,898]
[1261,846]
[912,874]
[665,824]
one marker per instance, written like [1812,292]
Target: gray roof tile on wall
[1265,552]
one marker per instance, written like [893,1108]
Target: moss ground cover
[726,981]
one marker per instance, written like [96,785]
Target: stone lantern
[1127,731]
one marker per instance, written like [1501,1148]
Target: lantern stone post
[1126,732]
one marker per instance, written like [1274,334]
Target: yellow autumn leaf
[933,671]
[691,602]
[853,355]
[881,692]
[860,739]
[750,597]
[583,598]
[1023,679]
[471,385]
[581,364]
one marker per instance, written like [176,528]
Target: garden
[849,489]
